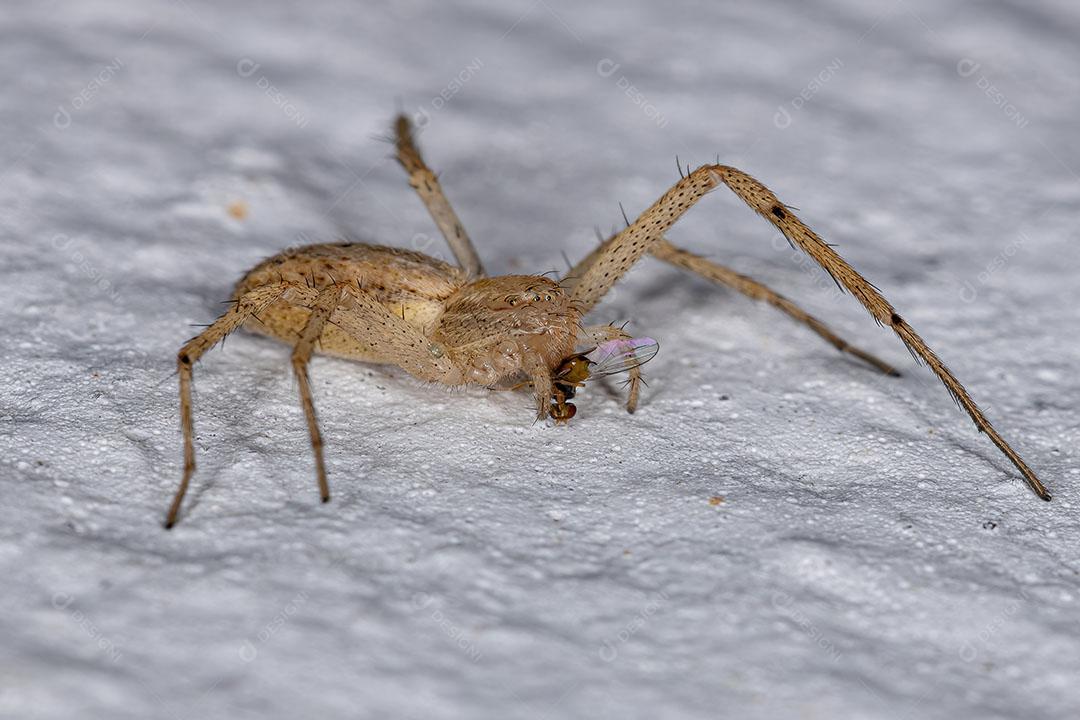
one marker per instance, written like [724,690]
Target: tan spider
[453,325]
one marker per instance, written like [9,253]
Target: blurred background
[776,533]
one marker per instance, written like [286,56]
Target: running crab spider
[456,326]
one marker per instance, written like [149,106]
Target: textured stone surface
[778,532]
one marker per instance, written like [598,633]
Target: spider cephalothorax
[452,325]
[499,326]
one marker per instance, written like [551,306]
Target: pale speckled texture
[873,556]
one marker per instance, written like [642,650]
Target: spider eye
[547,298]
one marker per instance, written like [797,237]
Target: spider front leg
[722,275]
[642,236]
[751,288]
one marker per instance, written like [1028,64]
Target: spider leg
[614,258]
[394,340]
[541,381]
[596,334]
[247,306]
[617,256]
[321,310]
[542,384]
[354,311]
[668,252]
[426,184]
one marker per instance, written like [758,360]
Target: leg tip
[1037,487]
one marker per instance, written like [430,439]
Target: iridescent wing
[616,356]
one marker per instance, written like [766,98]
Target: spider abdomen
[409,284]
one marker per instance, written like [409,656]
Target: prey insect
[454,325]
[608,358]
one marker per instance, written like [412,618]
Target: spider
[454,325]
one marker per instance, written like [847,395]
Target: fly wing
[616,356]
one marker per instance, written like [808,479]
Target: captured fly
[607,358]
